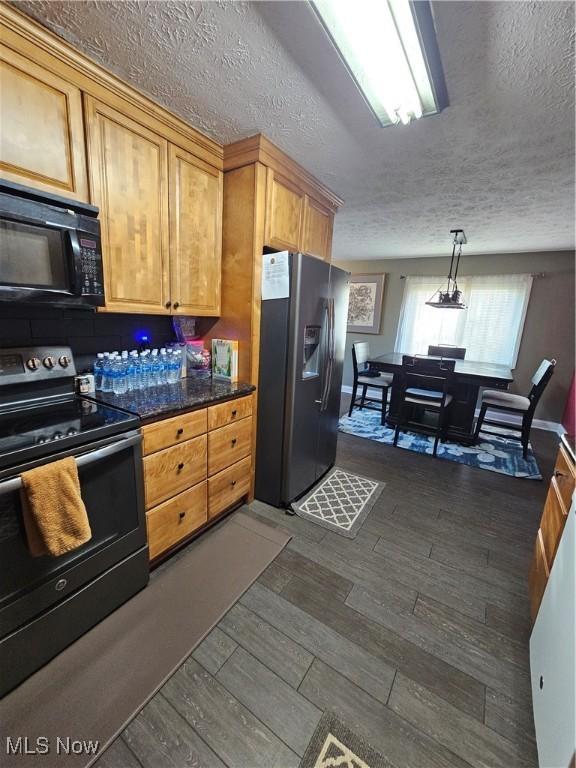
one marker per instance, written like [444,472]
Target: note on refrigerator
[275,276]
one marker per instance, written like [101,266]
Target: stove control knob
[33,363]
[49,362]
[64,361]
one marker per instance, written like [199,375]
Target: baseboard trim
[548,426]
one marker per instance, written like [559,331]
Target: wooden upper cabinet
[195,203]
[317,231]
[284,213]
[41,128]
[128,176]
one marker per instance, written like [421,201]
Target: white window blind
[490,327]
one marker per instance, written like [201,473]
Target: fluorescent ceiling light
[389,46]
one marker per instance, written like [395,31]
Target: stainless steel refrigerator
[302,342]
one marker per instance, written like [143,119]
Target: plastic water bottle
[163,358]
[134,380]
[169,366]
[122,375]
[118,379]
[98,371]
[145,369]
[154,368]
[107,375]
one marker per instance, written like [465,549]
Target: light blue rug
[497,454]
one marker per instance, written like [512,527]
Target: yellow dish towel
[54,514]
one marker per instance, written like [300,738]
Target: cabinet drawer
[228,445]
[176,518]
[164,434]
[172,470]
[552,523]
[227,413]
[564,476]
[538,577]
[228,486]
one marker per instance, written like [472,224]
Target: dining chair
[364,377]
[425,384]
[519,405]
[447,350]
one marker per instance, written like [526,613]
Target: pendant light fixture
[451,298]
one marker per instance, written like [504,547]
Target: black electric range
[47,602]
[40,414]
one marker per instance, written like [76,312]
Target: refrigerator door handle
[331,351]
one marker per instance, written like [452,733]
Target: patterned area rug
[334,745]
[497,454]
[340,502]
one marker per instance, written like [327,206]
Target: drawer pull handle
[234,412]
[541,682]
[168,304]
[233,483]
[182,515]
[180,466]
[234,440]
[180,431]
[176,305]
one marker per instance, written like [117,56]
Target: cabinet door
[317,236]
[42,132]
[195,234]
[552,662]
[284,213]
[128,176]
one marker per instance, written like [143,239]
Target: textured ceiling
[499,162]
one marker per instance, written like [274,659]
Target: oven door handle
[15,483]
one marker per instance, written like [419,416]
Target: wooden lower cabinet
[197,465]
[552,524]
[538,577]
[168,432]
[229,412]
[229,444]
[228,486]
[175,519]
[174,469]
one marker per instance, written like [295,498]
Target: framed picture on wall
[365,305]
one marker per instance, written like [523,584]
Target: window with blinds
[490,328]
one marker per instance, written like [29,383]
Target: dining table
[469,376]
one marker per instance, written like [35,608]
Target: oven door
[39,262]
[111,484]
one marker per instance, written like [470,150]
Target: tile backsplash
[86,332]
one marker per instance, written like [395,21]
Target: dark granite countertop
[171,399]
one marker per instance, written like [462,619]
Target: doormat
[500,454]
[340,503]
[335,745]
[97,685]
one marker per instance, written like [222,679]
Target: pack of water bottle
[121,372]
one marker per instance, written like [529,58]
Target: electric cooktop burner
[43,416]
[57,426]
[56,423]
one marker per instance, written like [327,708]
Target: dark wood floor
[415,634]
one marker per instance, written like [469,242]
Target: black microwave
[50,249]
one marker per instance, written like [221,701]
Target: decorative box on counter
[225,359]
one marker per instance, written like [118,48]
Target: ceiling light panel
[383,45]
